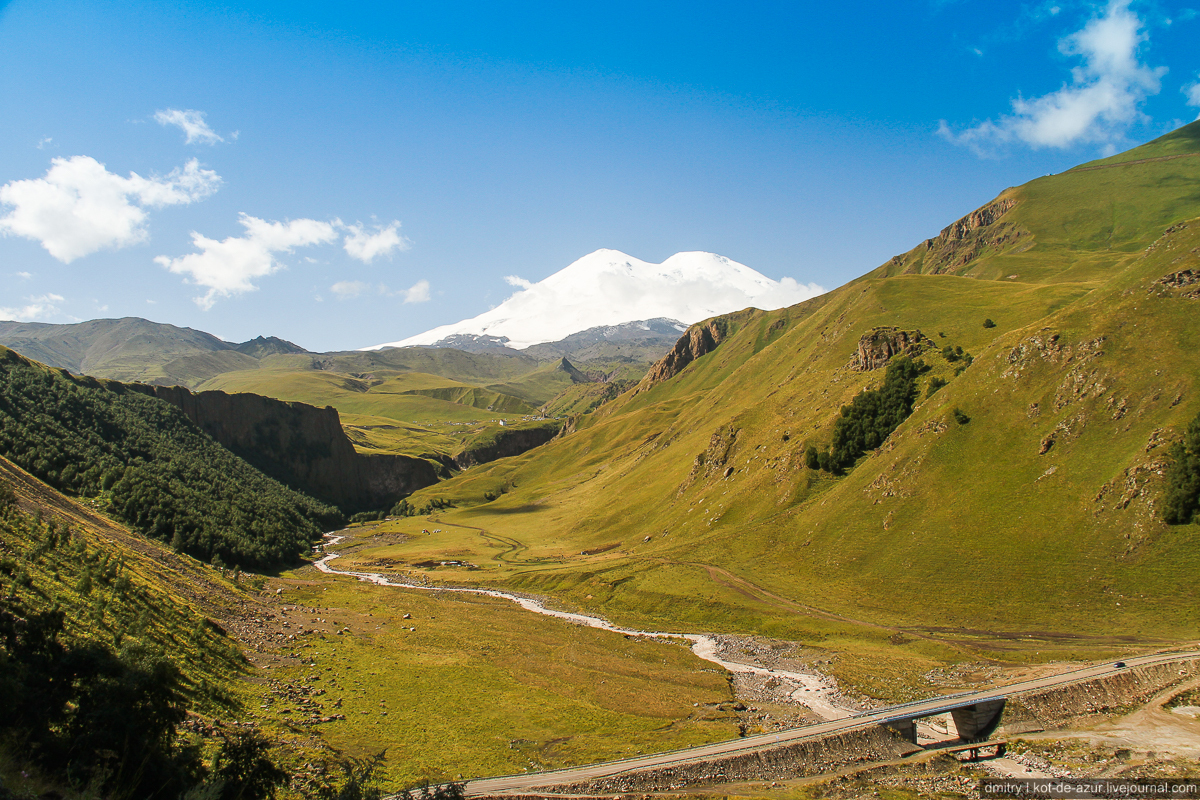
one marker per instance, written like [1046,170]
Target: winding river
[813,691]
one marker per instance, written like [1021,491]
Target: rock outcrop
[573,372]
[301,446]
[504,443]
[1182,280]
[879,345]
[700,339]
[982,231]
[961,242]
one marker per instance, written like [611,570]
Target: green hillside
[108,643]
[420,399]
[141,460]
[1026,524]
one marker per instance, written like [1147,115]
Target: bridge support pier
[977,721]
[905,727]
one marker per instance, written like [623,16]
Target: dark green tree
[244,769]
[160,473]
[872,416]
[1181,504]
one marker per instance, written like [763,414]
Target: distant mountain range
[608,288]
[131,348]
[135,349]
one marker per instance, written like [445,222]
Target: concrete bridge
[974,715]
[973,719]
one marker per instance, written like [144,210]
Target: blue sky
[343,176]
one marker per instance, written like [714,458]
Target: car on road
[1119,665]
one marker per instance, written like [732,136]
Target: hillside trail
[814,691]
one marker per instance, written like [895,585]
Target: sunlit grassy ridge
[1031,527]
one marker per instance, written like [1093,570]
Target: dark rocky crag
[301,446]
[505,443]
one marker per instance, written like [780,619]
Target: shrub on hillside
[871,416]
[1181,504]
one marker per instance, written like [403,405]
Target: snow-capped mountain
[608,287]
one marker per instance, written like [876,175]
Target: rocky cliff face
[700,339]
[302,446]
[960,243]
[877,346]
[506,443]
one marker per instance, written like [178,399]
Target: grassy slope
[469,692]
[174,591]
[168,605]
[471,686]
[961,528]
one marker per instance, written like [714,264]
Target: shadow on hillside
[528,508]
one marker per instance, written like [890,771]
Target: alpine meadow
[594,522]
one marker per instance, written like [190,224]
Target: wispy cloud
[348,290]
[79,207]
[191,122]
[1097,106]
[365,245]
[36,308]
[1192,91]
[518,281]
[41,145]
[417,293]
[230,266]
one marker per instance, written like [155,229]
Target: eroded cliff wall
[302,446]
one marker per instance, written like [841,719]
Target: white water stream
[815,692]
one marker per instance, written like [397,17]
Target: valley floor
[456,686]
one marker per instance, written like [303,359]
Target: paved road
[937,705]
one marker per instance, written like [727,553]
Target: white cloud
[1192,91]
[191,122]
[366,246]
[417,293]
[230,266]
[79,207]
[1099,103]
[348,290]
[36,308]
[24,275]
[519,282]
[43,142]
